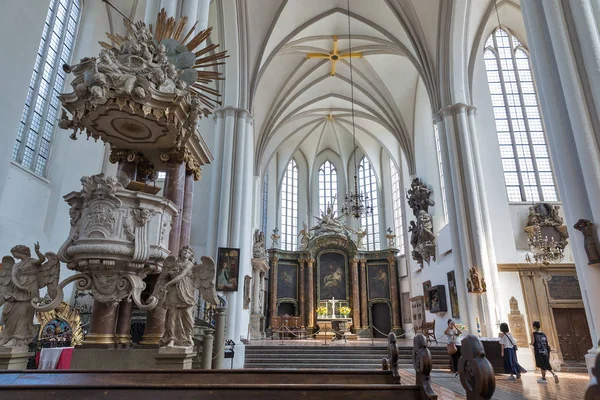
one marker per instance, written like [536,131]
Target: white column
[170,7]
[189,9]
[152,9]
[202,14]
[568,119]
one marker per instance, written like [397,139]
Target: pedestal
[175,358]
[14,359]
[257,327]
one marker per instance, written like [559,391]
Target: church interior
[259,198]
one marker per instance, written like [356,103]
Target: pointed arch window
[327,185]
[525,160]
[397,205]
[289,207]
[34,137]
[441,171]
[367,183]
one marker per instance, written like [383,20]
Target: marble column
[207,348]
[186,214]
[565,43]
[219,344]
[364,311]
[302,303]
[355,293]
[396,325]
[102,327]
[273,289]
[174,191]
[311,293]
[123,331]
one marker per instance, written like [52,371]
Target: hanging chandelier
[545,250]
[355,203]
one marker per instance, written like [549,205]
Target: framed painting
[426,286]
[437,299]
[378,281]
[287,281]
[332,276]
[453,295]
[228,269]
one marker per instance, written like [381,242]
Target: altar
[331,265]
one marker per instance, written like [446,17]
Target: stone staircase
[331,357]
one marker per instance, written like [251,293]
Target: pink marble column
[355,293]
[123,331]
[302,304]
[311,293]
[174,191]
[102,329]
[364,311]
[186,215]
[394,292]
[273,291]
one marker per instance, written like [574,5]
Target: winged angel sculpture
[20,285]
[175,291]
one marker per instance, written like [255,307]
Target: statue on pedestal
[175,292]
[19,287]
[590,242]
[259,249]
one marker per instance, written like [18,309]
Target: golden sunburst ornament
[188,53]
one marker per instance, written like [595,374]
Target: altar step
[332,357]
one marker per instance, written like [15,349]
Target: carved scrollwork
[476,372]
[82,282]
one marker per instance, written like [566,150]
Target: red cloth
[64,362]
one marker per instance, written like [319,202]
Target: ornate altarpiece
[331,266]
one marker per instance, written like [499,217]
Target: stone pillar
[207,348]
[102,329]
[311,293]
[470,238]
[170,7]
[186,214]
[123,332]
[174,191]
[202,15]
[273,289]
[219,345]
[355,293]
[396,325]
[302,303]
[364,311]
[564,42]
[152,9]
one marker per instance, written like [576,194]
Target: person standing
[452,335]
[541,349]
[508,347]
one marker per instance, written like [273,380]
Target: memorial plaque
[564,287]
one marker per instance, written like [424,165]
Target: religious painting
[228,269]
[405,300]
[287,281]
[378,281]
[332,276]
[437,299]
[426,286]
[57,330]
[453,295]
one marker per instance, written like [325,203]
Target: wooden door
[380,314]
[573,333]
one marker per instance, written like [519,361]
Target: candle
[478,326]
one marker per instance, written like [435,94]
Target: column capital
[310,262]
[455,109]
[233,112]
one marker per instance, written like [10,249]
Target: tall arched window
[441,171]
[327,185]
[367,183]
[289,207]
[525,160]
[34,138]
[397,205]
[265,203]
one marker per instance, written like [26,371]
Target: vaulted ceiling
[296,102]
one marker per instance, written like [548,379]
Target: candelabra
[356,203]
[545,250]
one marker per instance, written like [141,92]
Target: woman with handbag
[452,335]
[508,347]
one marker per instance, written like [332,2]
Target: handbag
[513,343]
[452,348]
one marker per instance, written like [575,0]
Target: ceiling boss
[335,55]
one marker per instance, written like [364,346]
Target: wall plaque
[564,287]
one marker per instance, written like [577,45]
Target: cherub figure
[175,292]
[20,283]
[306,235]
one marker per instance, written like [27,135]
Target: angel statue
[175,292]
[306,235]
[20,283]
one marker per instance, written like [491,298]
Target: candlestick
[478,326]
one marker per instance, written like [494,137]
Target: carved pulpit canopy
[146,92]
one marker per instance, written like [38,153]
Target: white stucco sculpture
[175,291]
[20,283]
